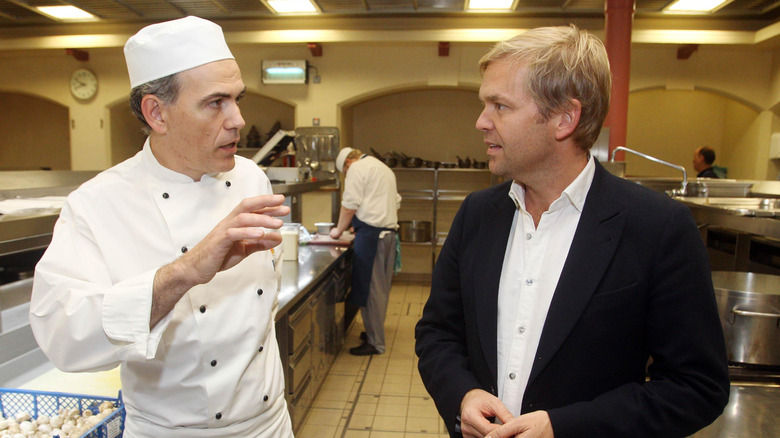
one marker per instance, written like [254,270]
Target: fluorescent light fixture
[284,72]
[65,13]
[489,5]
[291,6]
[695,5]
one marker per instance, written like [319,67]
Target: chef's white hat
[162,49]
[341,158]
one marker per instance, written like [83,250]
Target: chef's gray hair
[166,88]
[562,63]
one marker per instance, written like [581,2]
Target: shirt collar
[575,193]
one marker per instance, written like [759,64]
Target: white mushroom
[55,421]
[22,416]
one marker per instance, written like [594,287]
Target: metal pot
[749,307]
[414,231]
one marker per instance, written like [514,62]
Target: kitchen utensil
[463,163]
[323,228]
[412,162]
[479,164]
[749,307]
[415,231]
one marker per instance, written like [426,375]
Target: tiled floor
[378,396]
[362,397]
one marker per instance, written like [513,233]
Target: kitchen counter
[301,276]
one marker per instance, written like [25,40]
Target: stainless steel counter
[751,412]
[299,277]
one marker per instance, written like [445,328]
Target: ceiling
[21,12]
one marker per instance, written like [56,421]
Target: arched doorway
[36,133]
[671,124]
[431,123]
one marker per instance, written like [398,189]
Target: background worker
[369,204]
[163,265]
[703,159]
[554,289]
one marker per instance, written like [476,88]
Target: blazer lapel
[494,227]
[595,241]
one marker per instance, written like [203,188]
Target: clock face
[83,84]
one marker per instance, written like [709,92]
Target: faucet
[675,192]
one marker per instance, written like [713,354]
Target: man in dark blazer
[620,279]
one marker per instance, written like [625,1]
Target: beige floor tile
[323,417]
[365,409]
[414,424]
[421,401]
[316,431]
[393,400]
[388,410]
[398,390]
[389,424]
[397,379]
[371,388]
[329,404]
[342,396]
[357,434]
[422,411]
[381,434]
[360,422]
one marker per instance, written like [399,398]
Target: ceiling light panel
[66,13]
[695,5]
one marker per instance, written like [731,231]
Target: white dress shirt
[370,189]
[532,266]
[208,366]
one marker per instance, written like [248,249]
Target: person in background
[164,264]
[369,204]
[554,289]
[703,158]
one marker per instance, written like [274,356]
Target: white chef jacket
[370,189]
[533,263]
[208,366]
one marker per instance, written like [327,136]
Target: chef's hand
[475,409]
[233,239]
[335,233]
[237,236]
[531,425]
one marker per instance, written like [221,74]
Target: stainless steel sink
[758,207]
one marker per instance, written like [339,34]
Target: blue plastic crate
[35,403]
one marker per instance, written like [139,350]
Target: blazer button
[214,363]
[219,415]
[202,309]
[165,196]
[259,291]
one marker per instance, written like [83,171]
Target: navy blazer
[636,285]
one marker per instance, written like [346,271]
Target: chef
[370,205]
[164,264]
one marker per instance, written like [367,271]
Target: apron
[364,249]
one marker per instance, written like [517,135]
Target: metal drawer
[299,368]
[300,327]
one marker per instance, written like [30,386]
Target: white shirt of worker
[211,367]
[532,267]
[370,189]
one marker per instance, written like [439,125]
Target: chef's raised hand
[244,231]
[475,409]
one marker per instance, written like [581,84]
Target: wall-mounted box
[285,72]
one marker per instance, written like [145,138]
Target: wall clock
[83,84]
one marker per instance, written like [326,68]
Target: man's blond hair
[562,63]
